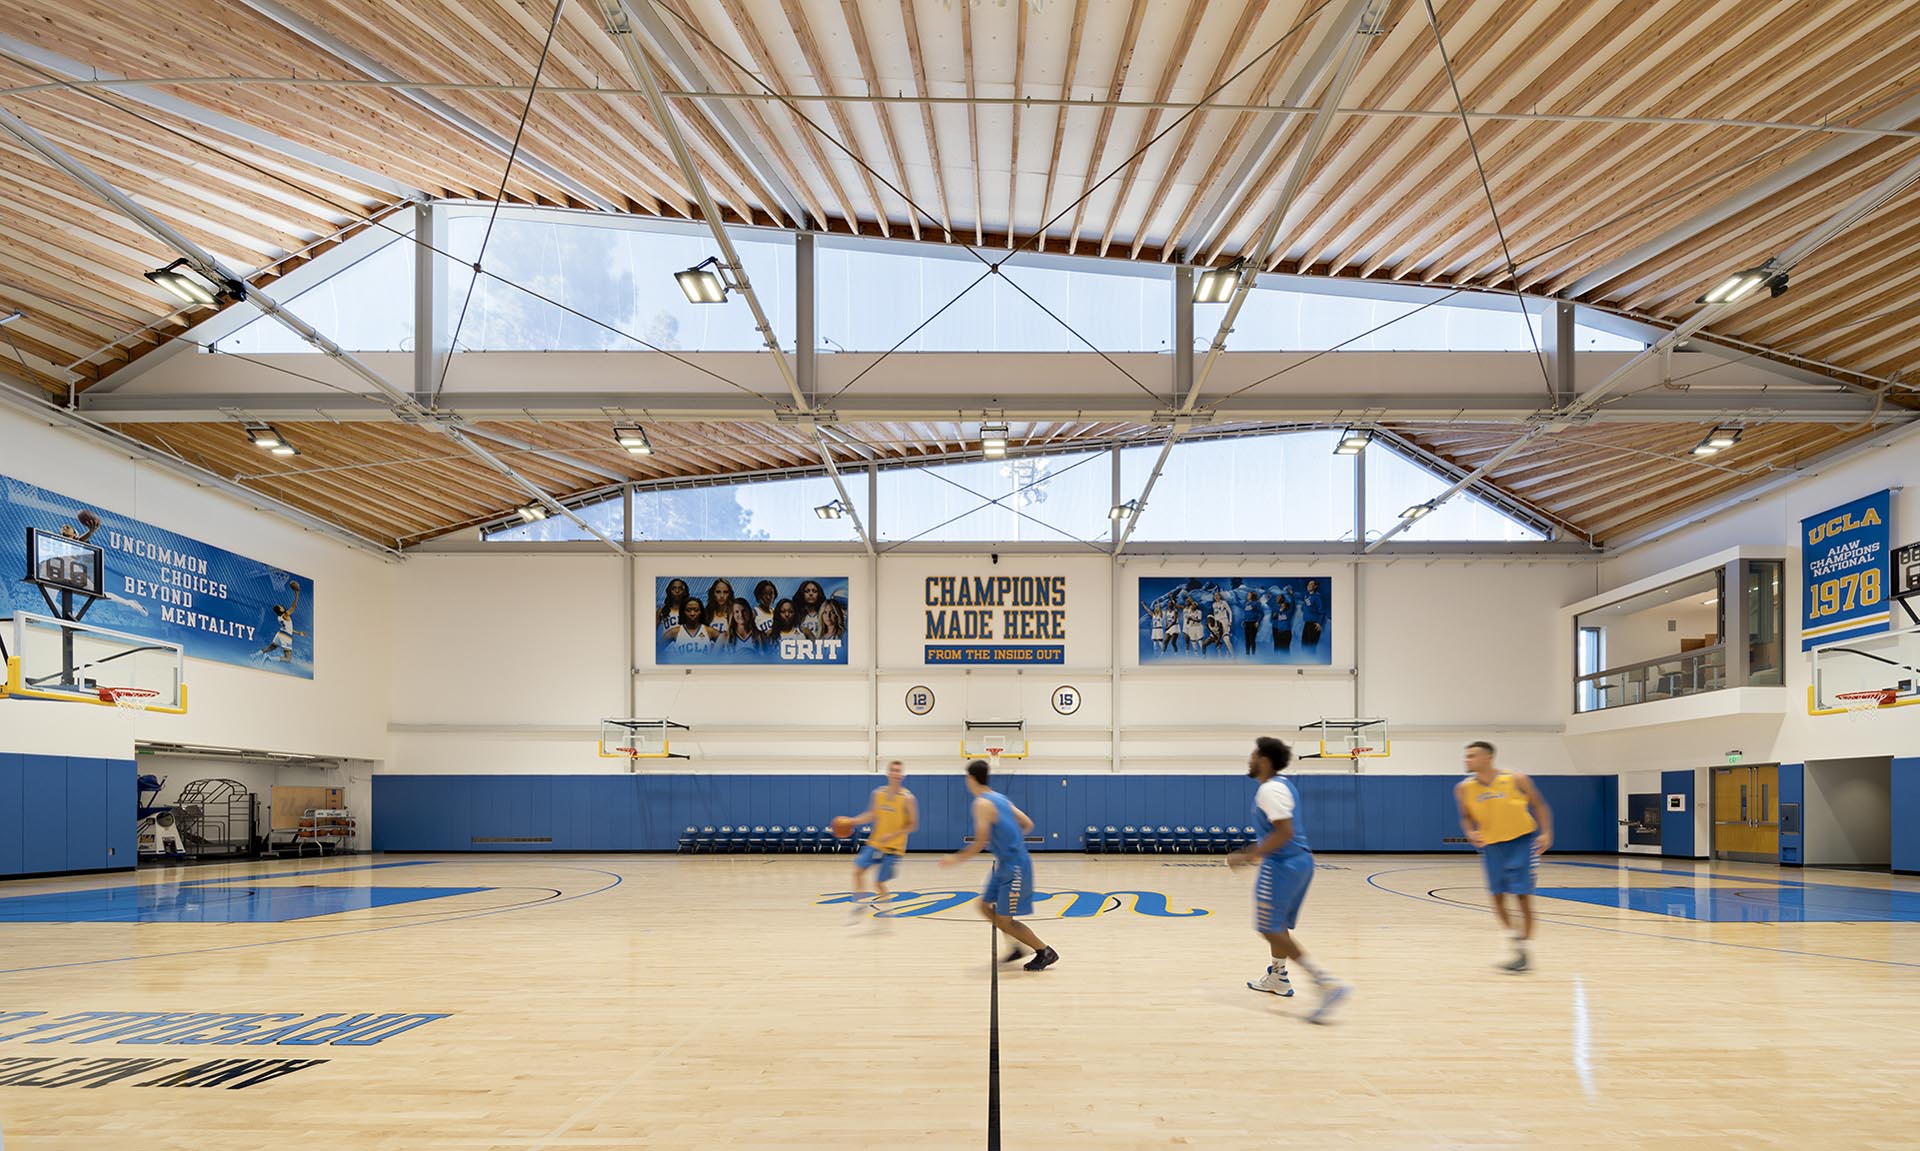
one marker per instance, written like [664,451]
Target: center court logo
[1047,904]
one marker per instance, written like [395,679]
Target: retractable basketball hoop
[1352,738]
[1858,703]
[1864,674]
[994,740]
[639,739]
[129,698]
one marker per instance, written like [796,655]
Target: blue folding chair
[1090,843]
[1164,842]
[790,841]
[1183,840]
[1129,840]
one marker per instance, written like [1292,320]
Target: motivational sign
[155,583]
[1846,551]
[996,619]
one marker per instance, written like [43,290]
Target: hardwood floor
[665,1002]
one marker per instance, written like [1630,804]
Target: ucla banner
[750,619]
[1256,620]
[996,619]
[152,582]
[1847,552]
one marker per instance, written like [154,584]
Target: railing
[1690,673]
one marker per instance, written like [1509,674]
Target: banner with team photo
[1234,619]
[215,604]
[1846,555]
[705,620]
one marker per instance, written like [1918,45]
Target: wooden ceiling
[1636,153]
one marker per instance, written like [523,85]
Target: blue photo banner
[162,585]
[700,620]
[1252,620]
[1847,554]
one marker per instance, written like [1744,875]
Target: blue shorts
[871,855]
[1510,866]
[1279,892]
[1010,888]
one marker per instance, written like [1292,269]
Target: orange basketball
[842,826]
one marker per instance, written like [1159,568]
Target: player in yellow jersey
[1505,817]
[894,814]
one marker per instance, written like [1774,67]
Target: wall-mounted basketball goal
[994,740]
[640,739]
[1351,738]
[1860,676]
[73,662]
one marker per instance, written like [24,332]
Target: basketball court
[684,574]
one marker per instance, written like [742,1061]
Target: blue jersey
[1314,610]
[1290,802]
[1007,842]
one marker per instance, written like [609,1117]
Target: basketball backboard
[75,662]
[1349,737]
[1886,662]
[60,564]
[994,740]
[638,739]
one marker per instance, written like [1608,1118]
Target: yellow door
[1746,813]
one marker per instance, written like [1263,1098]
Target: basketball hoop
[629,752]
[1858,703]
[1359,750]
[129,698]
[993,756]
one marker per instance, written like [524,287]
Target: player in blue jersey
[1009,891]
[1286,870]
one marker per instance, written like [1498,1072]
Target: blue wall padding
[645,812]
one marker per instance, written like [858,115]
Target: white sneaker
[1332,993]
[1274,982]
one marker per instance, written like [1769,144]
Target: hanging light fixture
[703,283]
[993,440]
[831,511]
[180,280]
[531,512]
[1353,441]
[633,437]
[1217,285]
[1121,511]
[1718,440]
[1417,511]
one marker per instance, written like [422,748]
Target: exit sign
[1735,756]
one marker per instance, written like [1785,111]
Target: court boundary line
[993,1036]
[617,880]
[1623,931]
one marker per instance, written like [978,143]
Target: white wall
[340,712]
[1846,815]
[1769,520]
[1448,649]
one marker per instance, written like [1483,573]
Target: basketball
[294,584]
[88,520]
[842,826]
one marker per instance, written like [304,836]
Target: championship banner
[1256,620]
[996,619]
[703,620]
[1846,554]
[152,582]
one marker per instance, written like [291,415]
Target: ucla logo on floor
[1047,904]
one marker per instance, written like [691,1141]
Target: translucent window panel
[1395,483]
[1048,499]
[621,277]
[364,306]
[766,510]
[1279,487]
[606,516]
[870,299]
[1275,319]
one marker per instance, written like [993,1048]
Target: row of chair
[767,840]
[1177,840]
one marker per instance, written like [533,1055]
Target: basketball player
[720,607]
[1313,613]
[1282,600]
[1009,890]
[1220,627]
[764,593]
[894,814]
[1286,871]
[669,613]
[282,641]
[1196,629]
[1158,624]
[693,633]
[1505,817]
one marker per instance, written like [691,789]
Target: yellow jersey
[1498,808]
[890,821]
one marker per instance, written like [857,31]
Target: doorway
[1746,813]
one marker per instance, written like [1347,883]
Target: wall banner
[1235,620]
[996,619]
[1846,552]
[215,604]
[703,620]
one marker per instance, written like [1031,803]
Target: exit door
[1746,813]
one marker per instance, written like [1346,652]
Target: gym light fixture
[1216,285]
[1417,511]
[633,438]
[186,285]
[531,512]
[831,511]
[1353,441]
[10,317]
[1122,511]
[1736,286]
[1718,440]
[703,283]
[993,440]
[268,439]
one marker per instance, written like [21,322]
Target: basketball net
[993,756]
[1859,703]
[129,698]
